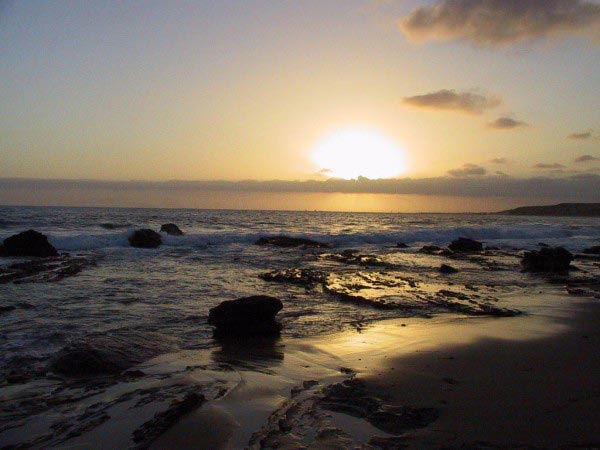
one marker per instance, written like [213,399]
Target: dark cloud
[586,158]
[506,123]
[468,170]
[500,22]
[500,160]
[549,166]
[451,100]
[580,136]
[581,187]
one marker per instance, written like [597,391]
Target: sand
[529,381]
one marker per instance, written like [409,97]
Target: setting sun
[353,152]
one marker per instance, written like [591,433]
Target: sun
[353,152]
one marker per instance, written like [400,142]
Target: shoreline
[503,382]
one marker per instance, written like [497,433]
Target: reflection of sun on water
[353,152]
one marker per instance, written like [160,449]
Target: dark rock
[28,243]
[145,238]
[445,268]
[86,360]
[287,241]
[401,245]
[162,421]
[248,316]
[430,249]
[304,277]
[547,260]
[107,354]
[595,250]
[172,229]
[465,245]
[350,397]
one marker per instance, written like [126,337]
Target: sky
[457,104]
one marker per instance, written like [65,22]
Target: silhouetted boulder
[287,241]
[85,360]
[145,238]
[401,245]
[445,268]
[547,260]
[465,245]
[28,243]
[248,316]
[592,250]
[172,229]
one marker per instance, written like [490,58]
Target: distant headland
[562,209]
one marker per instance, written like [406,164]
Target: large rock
[172,229]
[145,238]
[248,316]
[28,243]
[86,360]
[287,241]
[547,260]
[465,245]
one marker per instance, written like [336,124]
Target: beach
[394,332]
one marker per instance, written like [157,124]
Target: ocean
[150,302]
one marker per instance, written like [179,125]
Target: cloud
[580,136]
[580,187]
[500,22]
[468,170]
[451,100]
[500,160]
[506,123]
[549,166]
[586,158]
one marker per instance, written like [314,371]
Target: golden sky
[294,91]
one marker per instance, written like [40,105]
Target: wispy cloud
[450,100]
[580,136]
[506,123]
[548,166]
[468,170]
[500,22]
[501,160]
[586,158]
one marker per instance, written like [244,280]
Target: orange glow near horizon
[353,152]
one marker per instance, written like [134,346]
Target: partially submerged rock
[247,316]
[447,269]
[304,277]
[85,360]
[171,229]
[161,422]
[430,249]
[287,241]
[44,270]
[465,245]
[401,245]
[28,243]
[145,238]
[547,259]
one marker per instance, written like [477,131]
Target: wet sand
[495,383]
